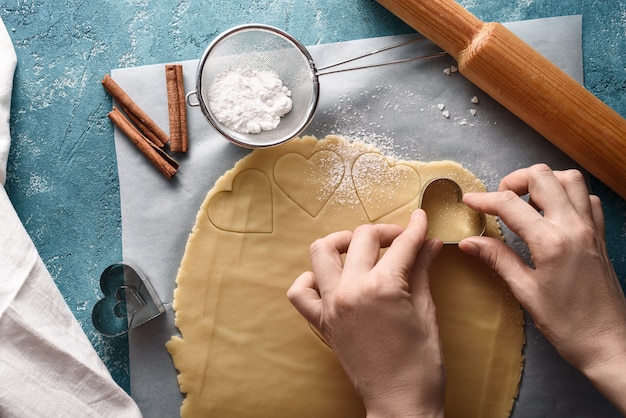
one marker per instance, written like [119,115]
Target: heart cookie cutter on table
[129,300]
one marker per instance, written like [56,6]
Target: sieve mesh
[262,47]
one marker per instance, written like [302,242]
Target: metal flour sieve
[263,47]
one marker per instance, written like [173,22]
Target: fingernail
[435,244]
[468,195]
[469,247]
[418,213]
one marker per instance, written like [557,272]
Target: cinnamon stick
[163,162]
[177,108]
[156,140]
[149,128]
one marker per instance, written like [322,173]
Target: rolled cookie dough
[244,351]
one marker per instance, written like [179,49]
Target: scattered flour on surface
[248,100]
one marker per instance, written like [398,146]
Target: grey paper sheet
[394,107]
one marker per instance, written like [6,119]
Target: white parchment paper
[394,107]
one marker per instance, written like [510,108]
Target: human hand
[571,291]
[377,314]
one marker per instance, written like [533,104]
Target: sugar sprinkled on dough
[205,358]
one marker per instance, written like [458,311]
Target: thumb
[419,281]
[304,296]
[500,257]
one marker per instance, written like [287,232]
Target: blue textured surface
[62,169]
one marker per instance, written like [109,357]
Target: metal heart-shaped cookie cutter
[129,300]
[473,223]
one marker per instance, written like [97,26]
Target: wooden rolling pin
[527,84]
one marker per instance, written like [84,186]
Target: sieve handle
[188,97]
[527,84]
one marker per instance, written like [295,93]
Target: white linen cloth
[48,367]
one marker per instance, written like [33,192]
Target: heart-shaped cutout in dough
[247,207]
[383,187]
[449,219]
[318,178]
